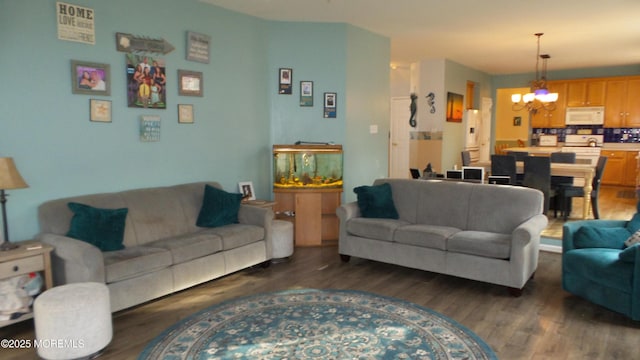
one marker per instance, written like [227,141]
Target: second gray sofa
[482,232]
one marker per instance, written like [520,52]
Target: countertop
[605,146]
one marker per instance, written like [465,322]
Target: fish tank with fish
[307,166]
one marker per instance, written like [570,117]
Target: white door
[399,144]
[485,129]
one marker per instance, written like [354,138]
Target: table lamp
[9,179]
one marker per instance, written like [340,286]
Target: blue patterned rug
[317,324]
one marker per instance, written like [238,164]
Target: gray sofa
[164,249]
[482,232]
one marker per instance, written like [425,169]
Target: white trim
[551,248]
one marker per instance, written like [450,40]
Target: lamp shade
[10,178]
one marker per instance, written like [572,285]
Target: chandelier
[539,97]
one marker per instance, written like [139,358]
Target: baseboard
[551,248]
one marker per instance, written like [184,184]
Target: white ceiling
[494,36]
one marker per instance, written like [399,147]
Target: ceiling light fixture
[539,97]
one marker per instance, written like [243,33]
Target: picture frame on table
[190,83]
[90,78]
[185,114]
[247,191]
[100,110]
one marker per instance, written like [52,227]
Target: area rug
[317,324]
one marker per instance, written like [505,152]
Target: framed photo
[90,78]
[517,120]
[286,79]
[306,93]
[146,81]
[246,189]
[185,113]
[454,107]
[190,83]
[330,106]
[100,110]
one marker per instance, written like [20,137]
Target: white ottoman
[282,235]
[73,320]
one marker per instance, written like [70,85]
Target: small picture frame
[517,120]
[246,189]
[185,113]
[90,78]
[330,104]
[198,47]
[306,93]
[285,81]
[190,83]
[100,110]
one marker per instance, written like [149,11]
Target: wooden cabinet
[313,213]
[589,92]
[553,118]
[621,167]
[622,108]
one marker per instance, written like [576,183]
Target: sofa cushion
[486,244]
[379,229]
[633,239]
[600,237]
[429,236]
[190,246]
[134,261]
[629,254]
[634,224]
[103,228]
[376,201]
[218,207]
[237,235]
[600,265]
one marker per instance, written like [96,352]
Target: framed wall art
[100,110]
[198,47]
[90,78]
[149,128]
[185,114]
[146,81]
[190,83]
[330,106]
[285,80]
[454,107]
[306,93]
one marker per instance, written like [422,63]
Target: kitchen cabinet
[621,167]
[622,108]
[313,213]
[553,118]
[588,92]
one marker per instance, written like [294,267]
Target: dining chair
[520,155]
[466,158]
[537,175]
[504,165]
[569,192]
[558,182]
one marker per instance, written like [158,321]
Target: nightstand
[30,256]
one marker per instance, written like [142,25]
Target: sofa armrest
[74,260]
[570,228]
[254,215]
[347,211]
[529,230]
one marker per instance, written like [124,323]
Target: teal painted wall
[61,153]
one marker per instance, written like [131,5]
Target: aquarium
[307,166]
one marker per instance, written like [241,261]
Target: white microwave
[585,115]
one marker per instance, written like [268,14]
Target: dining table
[583,171]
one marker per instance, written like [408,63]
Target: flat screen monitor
[499,180]
[473,173]
[415,173]
[454,174]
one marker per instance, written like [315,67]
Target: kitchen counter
[550,149]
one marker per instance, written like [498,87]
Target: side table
[30,256]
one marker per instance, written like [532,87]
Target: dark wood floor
[544,323]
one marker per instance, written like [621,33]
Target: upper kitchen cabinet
[622,108]
[553,118]
[588,92]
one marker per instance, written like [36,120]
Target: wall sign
[198,47]
[132,43]
[75,23]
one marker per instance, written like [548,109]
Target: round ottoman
[282,235]
[73,320]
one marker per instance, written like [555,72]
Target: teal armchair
[595,270]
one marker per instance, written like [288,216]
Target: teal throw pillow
[218,207]
[103,228]
[629,254]
[376,201]
[600,237]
